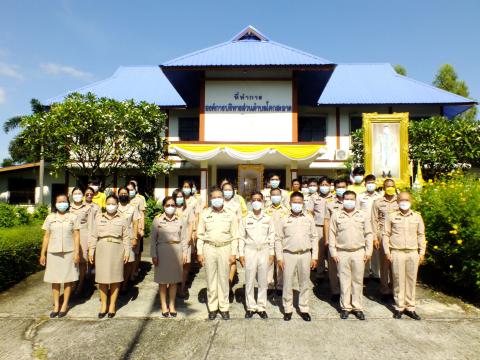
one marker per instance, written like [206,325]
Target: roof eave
[249,67]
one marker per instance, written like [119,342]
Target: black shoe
[279,293]
[397,314]
[287,316]
[409,313]
[111,315]
[165,314]
[386,298]
[212,315]
[335,298]
[248,314]
[53,314]
[263,314]
[173,314]
[62,314]
[101,315]
[225,315]
[344,314]
[359,315]
[305,316]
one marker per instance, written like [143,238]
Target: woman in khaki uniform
[109,249]
[61,253]
[168,248]
[187,215]
[86,214]
[130,211]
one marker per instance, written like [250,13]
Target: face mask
[358,179]
[123,198]
[62,206]
[194,190]
[77,197]
[111,208]
[371,187]
[276,199]
[390,190]
[305,190]
[132,193]
[94,187]
[340,191]
[324,189]
[312,189]
[404,205]
[170,210]
[187,191]
[217,202]
[256,205]
[179,201]
[349,204]
[274,183]
[296,208]
[228,194]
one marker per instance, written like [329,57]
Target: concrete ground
[450,329]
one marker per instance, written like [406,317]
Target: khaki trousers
[333,276]
[299,263]
[373,265]
[351,266]
[404,269]
[322,251]
[217,268]
[256,268]
[275,276]
[386,284]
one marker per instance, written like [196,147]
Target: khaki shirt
[194,203]
[131,214]
[257,232]
[86,214]
[60,228]
[316,206]
[296,233]
[380,210]
[218,227]
[332,204]
[187,216]
[234,206]
[140,202]
[268,200]
[404,232]
[168,231]
[365,201]
[350,231]
[277,213]
[114,229]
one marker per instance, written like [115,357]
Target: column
[292,172]
[204,181]
[213,175]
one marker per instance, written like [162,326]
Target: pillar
[204,182]
[292,173]
[213,175]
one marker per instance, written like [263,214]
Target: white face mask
[371,187]
[312,189]
[404,205]
[187,191]
[170,210]
[94,187]
[340,191]
[256,205]
[349,204]
[228,194]
[62,206]
[194,190]
[179,201]
[217,202]
[325,189]
[111,208]
[305,190]
[77,197]
[358,179]
[276,199]
[296,208]
[274,183]
[132,193]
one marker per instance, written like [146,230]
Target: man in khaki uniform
[274,184]
[404,245]
[350,245]
[317,207]
[256,249]
[380,210]
[217,248]
[296,248]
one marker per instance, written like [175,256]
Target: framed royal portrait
[385,140]
[250,179]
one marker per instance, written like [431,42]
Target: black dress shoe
[248,314]
[111,315]
[287,316]
[359,315]
[212,315]
[335,298]
[173,314]
[397,314]
[225,315]
[165,314]
[409,313]
[101,315]
[61,314]
[279,293]
[305,316]
[386,298]
[263,314]
[53,314]
[344,314]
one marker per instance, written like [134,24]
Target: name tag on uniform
[103,221]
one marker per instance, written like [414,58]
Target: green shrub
[19,252]
[152,209]
[13,215]
[450,209]
[41,212]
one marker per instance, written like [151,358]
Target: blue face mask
[217,202]
[274,183]
[228,194]
[296,208]
[187,191]
[371,187]
[358,179]
[62,206]
[340,191]
[276,199]
[325,189]
[179,201]
[132,193]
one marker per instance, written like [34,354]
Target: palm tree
[14,122]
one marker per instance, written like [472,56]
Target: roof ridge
[298,51]
[196,52]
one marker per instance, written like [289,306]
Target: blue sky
[48,47]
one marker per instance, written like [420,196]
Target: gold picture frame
[250,177]
[385,141]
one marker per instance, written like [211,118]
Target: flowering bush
[450,208]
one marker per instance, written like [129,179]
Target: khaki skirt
[170,264]
[60,268]
[109,262]
[84,243]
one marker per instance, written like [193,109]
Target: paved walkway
[450,329]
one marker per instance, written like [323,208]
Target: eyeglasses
[169,205]
[89,195]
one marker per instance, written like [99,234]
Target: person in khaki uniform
[331,205]
[380,210]
[61,253]
[168,248]
[109,248]
[137,200]
[217,248]
[316,206]
[274,183]
[296,248]
[256,250]
[404,245]
[350,245]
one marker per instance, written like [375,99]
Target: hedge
[19,252]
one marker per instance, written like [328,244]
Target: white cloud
[2,95]
[58,69]
[9,70]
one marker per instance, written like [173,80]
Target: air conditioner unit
[341,155]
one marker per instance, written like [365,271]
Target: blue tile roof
[140,83]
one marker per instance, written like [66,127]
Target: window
[22,191]
[355,123]
[312,128]
[188,128]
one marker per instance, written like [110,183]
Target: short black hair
[350,192]
[94,181]
[215,188]
[370,177]
[296,180]
[166,198]
[276,189]
[77,188]
[187,181]
[272,175]
[227,183]
[340,180]
[324,179]
[296,194]
[359,170]
[257,193]
[122,188]
[112,196]
[312,180]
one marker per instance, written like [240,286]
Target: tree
[94,136]
[400,70]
